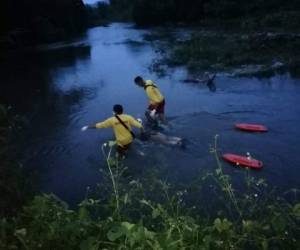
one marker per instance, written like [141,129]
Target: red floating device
[243,161]
[251,127]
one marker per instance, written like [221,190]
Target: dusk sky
[90,1]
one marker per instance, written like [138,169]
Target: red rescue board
[251,127]
[243,161]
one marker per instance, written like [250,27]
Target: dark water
[64,86]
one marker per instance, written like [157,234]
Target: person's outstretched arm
[107,123]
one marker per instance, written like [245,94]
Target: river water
[63,86]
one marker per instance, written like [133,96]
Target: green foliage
[253,219]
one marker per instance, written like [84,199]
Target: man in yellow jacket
[156,99]
[121,124]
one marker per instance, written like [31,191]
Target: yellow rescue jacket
[123,135]
[153,93]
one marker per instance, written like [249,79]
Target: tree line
[156,12]
[33,21]
[26,22]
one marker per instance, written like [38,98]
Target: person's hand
[84,128]
[152,113]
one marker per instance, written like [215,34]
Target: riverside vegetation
[242,54]
[31,22]
[153,214]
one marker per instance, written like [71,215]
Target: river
[63,86]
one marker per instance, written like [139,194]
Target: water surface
[63,86]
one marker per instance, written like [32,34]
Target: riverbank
[238,53]
[151,214]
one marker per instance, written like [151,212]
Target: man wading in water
[121,124]
[156,99]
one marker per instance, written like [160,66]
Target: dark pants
[122,150]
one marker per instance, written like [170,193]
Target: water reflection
[65,56]
[27,77]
